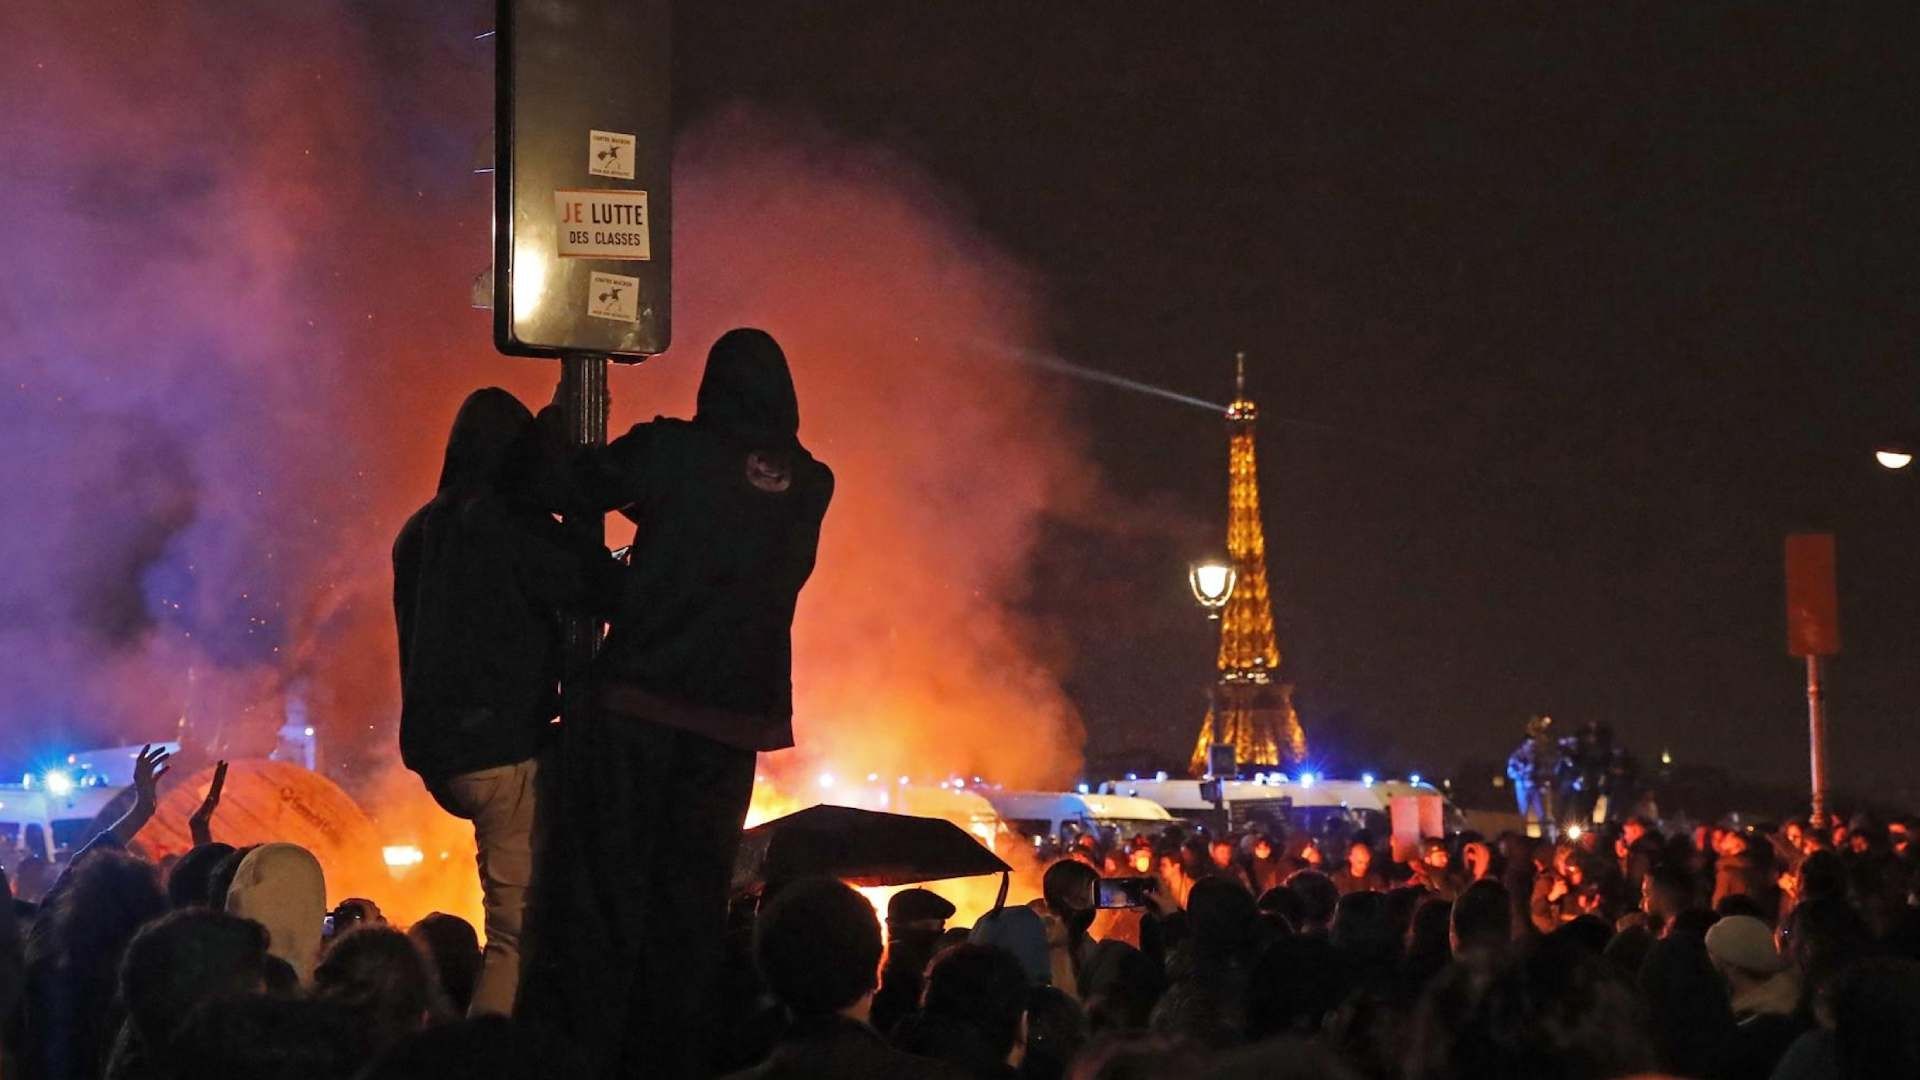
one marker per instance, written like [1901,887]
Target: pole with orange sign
[1813,632]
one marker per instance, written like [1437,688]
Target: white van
[1276,800]
[47,813]
[1062,815]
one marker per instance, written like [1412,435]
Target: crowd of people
[1718,952]
[606,859]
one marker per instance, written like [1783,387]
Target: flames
[239,312]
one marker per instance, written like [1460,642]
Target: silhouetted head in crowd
[1820,939]
[270,1038]
[1687,1007]
[817,945]
[181,960]
[75,950]
[220,878]
[1666,891]
[1281,907]
[1201,1012]
[192,875]
[1068,888]
[452,949]
[1294,985]
[1822,875]
[379,975]
[979,991]
[1363,929]
[1564,1016]
[1318,897]
[1056,1030]
[1428,938]
[1482,919]
[1223,920]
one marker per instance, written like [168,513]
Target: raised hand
[201,823]
[148,768]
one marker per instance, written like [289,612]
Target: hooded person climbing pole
[695,677]
[480,576]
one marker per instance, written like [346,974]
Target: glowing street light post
[1212,582]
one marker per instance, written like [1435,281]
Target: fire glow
[248,420]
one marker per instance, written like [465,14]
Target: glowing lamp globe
[1212,584]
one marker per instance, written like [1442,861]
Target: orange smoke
[300,271]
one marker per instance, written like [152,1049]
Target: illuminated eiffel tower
[1251,709]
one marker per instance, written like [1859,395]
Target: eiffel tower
[1250,709]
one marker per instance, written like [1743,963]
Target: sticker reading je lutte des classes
[612,296]
[602,224]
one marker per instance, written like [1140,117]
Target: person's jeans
[500,803]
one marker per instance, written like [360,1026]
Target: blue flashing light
[1133,776]
[1161,775]
[1414,778]
[1366,779]
[1081,788]
[1306,779]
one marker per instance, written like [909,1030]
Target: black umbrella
[860,847]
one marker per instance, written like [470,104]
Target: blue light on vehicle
[1366,779]
[1306,779]
[58,782]
[1413,779]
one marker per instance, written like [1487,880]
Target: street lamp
[1212,583]
[1893,456]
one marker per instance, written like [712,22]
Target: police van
[1065,815]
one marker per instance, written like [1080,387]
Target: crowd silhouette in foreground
[616,945]
[1718,952]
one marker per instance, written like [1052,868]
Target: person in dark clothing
[973,1014]
[817,945]
[480,576]
[453,951]
[172,965]
[187,882]
[915,920]
[694,679]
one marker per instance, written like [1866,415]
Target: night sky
[1580,313]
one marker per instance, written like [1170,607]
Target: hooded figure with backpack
[694,679]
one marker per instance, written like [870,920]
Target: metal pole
[583,410]
[1817,740]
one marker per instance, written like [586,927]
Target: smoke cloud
[234,330]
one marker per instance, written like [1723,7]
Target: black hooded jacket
[479,579]
[727,510]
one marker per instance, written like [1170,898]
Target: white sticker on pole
[611,296]
[610,153]
[602,224]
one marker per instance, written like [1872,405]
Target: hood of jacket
[747,389]
[280,886]
[490,422]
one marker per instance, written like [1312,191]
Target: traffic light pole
[583,412]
